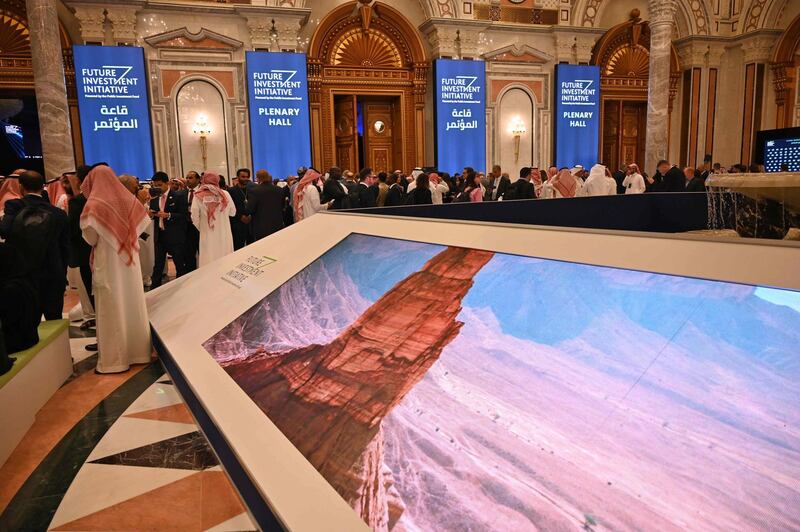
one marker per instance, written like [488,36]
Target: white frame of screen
[186,312]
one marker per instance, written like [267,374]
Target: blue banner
[577,124]
[114,108]
[460,115]
[279,123]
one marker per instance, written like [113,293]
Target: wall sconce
[202,129]
[517,129]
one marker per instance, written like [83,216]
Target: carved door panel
[634,120]
[345,128]
[611,127]
[379,133]
[398,136]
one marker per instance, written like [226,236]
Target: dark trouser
[51,297]
[86,277]
[240,232]
[192,246]
[176,249]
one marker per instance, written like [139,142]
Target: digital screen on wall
[776,147]
[20,144]
[280,134]
[114,108]
[460,115]
[577,123]
[416,382]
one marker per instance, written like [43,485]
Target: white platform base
[26,393]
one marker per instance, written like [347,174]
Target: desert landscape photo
[442,388]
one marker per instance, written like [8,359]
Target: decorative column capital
[715,53]
[443,41]
[123,23]
[758,49]
[692,54]
[288,32]
[259,27]
[274,27]
[92,18]
[565,47]
[470,47]
[584,44]
[662,12]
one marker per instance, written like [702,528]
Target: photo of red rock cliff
[448,389]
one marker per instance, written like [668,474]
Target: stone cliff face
[329,400]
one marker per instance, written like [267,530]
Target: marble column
[662,16]
[51,89]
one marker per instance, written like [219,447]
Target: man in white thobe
[596,184]
[633,182]
[211,209]
[111,223]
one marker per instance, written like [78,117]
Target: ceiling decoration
[14,37]
[371,48]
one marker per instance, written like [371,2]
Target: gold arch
[371,48]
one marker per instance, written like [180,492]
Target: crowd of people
[111,236]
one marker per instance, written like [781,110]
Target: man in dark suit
[80,251]
[192,234]
[672,178]
[496,184]
[240,222]
[523,188]
[265,206]
[170,212]
[694,183]
[366,196]
[334,189]
[395,196]
[40,233]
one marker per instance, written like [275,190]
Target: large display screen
[279,121]
[460,115]
[20,144]
[577,123]
[114,109]
[443,388]
[782,151]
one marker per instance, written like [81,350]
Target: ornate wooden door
[624,128]
[380,133]
[346,131]
[634,122]
[611,128]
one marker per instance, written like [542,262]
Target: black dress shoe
[91,347]
[88,324]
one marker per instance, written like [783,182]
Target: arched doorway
[368,76]
[623,55]
[786,69]
[202,129]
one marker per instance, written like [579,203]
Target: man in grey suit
[265,206]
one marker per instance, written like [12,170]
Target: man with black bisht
[39,232]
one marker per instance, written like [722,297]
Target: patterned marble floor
[152,469]
[135,461]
